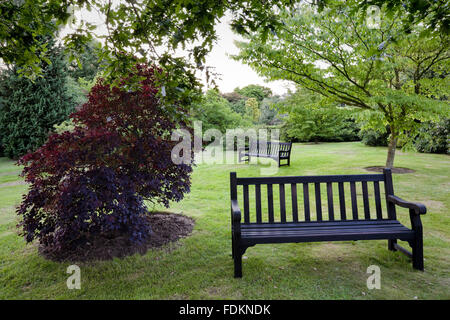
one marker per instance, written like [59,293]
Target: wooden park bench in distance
[267,149]
[250,229]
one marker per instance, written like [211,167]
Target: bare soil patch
[166,228]
[394,170]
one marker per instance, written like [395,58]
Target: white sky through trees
[231,73]
[234,73]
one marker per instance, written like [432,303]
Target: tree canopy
[150,29]
[397,78]
[309,120]
[136,30]
[254,91]
[215,112]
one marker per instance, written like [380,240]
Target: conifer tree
[29,109]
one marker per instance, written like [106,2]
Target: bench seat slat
[335,229]
[320,226]
[261,155]
[319,231]
[303,233]
[321,223]
[327,237]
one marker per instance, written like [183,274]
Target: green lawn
[200,266]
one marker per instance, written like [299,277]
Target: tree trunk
[391,150]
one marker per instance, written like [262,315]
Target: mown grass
[200,266]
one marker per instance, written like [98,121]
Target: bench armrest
[417,207]
[235,212]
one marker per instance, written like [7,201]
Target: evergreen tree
[29,109]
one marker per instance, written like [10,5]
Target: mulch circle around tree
[167,228]
[394,170]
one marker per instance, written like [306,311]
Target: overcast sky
[232,73]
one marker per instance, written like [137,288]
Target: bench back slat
[282,203]
[354,200]
[258,203]
[318,201]
[294,202]
[252,146]
[342,201]
[246,205]
[278,208]
[376,187]
[330,201]
[270,202]
[274,149]
[365,200]
[306,201]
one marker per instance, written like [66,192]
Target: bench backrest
[313,198]
[273,148]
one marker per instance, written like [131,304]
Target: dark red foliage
[95,179]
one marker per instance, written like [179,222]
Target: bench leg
[232,246]
[391,244]
[417,252]
[417,242]
[237,264]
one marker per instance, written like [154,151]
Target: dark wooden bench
[267,149]
[271,225]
